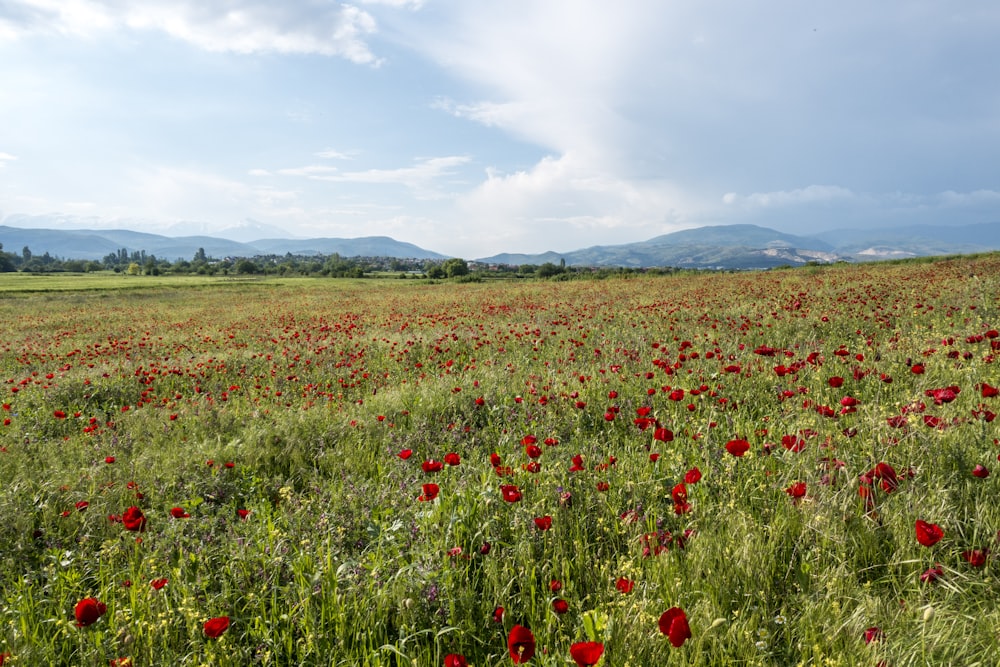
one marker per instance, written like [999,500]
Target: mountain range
[723,247]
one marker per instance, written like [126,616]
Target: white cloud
[813,194]
[5,158]
[418,177]
[241,26]
[331,154]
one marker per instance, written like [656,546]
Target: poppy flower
[179,513]
[692,476]
[87,611]
[431,466]
[109,459]
[134,520]
[215,627]
[59,414]
[737,447]
[674,624]
[405,454]
[455,660]
[430,492]
[980,471]
[797,490]
[555,586]
[976,557]
[624,585]
[157,584]
[577,463]
[243,514]
[560,606]
[485,548]
[543,522]
[663,435]
[928,534]
[932,574]
[498,615]
[585,654]
[520,644]
[452,459]
[510,493]
[117,662]
[81,505]
[495,460]
[873,634]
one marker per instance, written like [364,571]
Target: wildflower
[87,611]
[928,534]
[585,654]
[520,644]
[624,585]
[674,624]
[134,520]
[215,627]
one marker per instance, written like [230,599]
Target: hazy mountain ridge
[723,246]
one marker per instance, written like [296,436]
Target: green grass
[312,388]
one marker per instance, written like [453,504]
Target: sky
[477,127]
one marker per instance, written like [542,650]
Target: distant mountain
[97,243]
[726,246]
[722,247]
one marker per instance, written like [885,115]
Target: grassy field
[777,468]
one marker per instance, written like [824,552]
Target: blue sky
[472,128]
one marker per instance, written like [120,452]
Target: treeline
[139,263]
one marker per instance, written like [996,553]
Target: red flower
[430,492]
[87,611]
[81,505]
[543,522]
[989,392]
[134,520]
[980,471]
[577,463]
[455,660]
[59,414]
[116,662]
[873,634]
[510,493]
[624,585]
[405,454]
[109,459]
[928,534]
[214,627]
[157,584]
[932,574]
[663,435]
[431,466]
[243,514]
[452,459]
[585,654]
[179,513]
[520,644]
[560,606]
[976,557]
[498,615]
[737,447]
[797,490]
[674,624]
[692,476]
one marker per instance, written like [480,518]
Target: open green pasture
[381,473]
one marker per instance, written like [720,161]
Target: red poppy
[495,460]
[405,454]
[928,534]
[528,440]
[431,466]
[793,443]
[543,522]
[243,514]
[797,490]
[455,660]
[663,435]
[430,492]
[980,471]
[134,520]
[452,459]
[976,557]
[81,505]
[59,414]
[835,381]
[179,513]
[157,584]
[560,606]
[989,392]
[624,585]
[87,611]
[737,447]
[873,634]
[510,493]
[932,574]
[117,662]
[109,459]
[214,627]
[585,654]
[692,476]
[674,624]
[577,463]
[498,615]
[520,644]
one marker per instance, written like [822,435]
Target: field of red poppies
[790,467]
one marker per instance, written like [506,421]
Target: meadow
[780,468]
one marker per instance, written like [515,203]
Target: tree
[245,266]
[200,256]
[134,269]
[455,267]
